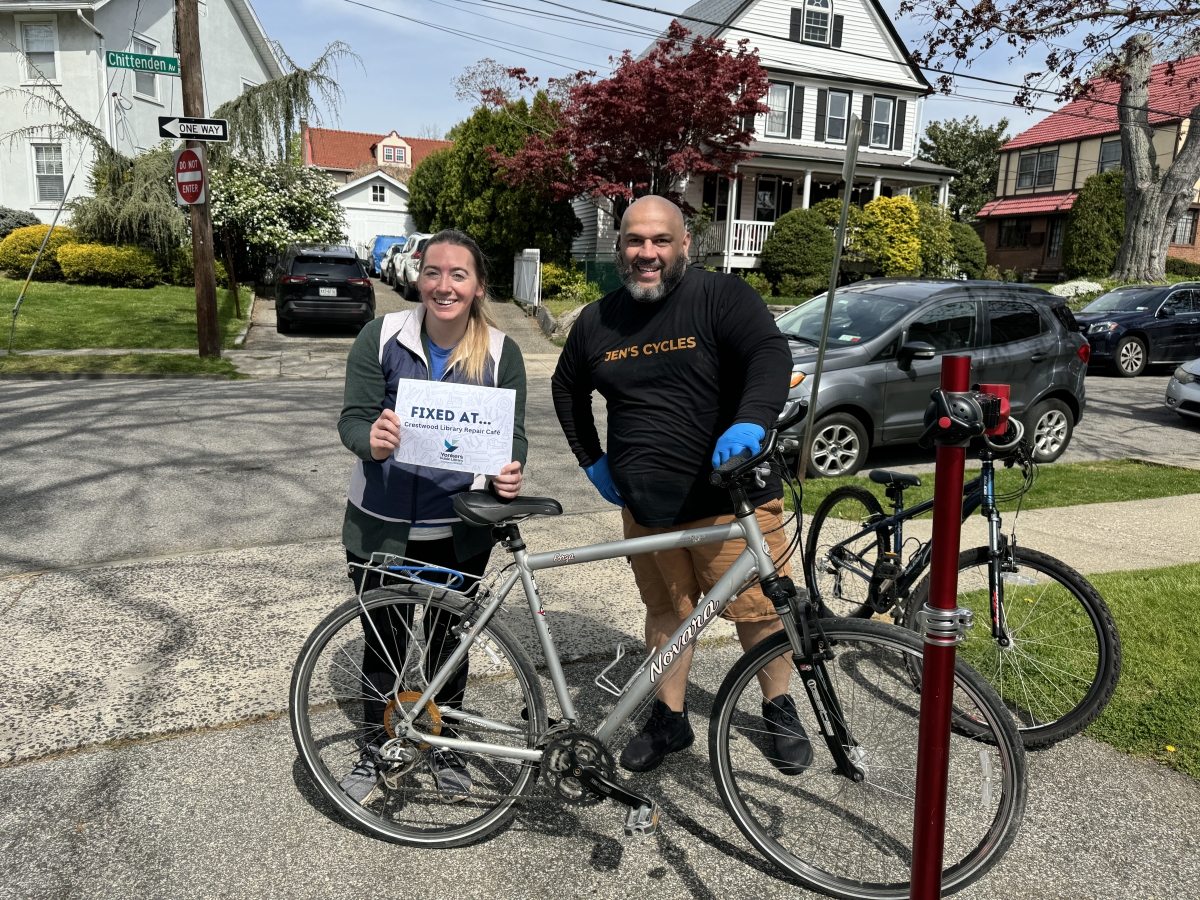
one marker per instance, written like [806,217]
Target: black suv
[321,283]
[886,340]
[1138,324]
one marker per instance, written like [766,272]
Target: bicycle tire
[326,695]
[1085,685]
[854,840]
[839,591]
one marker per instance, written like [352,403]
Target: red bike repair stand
[937,671]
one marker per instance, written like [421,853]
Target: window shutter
[836,40]
[797,112]
[864,139]
[898,130]
[822,100]
[796,27]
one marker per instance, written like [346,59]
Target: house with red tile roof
[341,153]
[1043,168]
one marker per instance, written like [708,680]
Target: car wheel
[1049,426]
[839,447]
[282,325]
[1130,357]
[410,294]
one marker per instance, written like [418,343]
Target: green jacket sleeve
[512,375]
[365,389]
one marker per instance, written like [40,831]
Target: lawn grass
[557,308]
[58,316]
[1156,702]
[126,364]
[1061,484]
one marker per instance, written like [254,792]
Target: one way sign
[193,129]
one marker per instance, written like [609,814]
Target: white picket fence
[527,277]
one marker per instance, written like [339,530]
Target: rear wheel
[1130,358]
[839,559]
[1051,425]
[282,325]
[854,839]
[839,446]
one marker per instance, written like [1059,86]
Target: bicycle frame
[755,559]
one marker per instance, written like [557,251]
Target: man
[693,370]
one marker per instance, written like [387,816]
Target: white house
[375,204]
[826,60]
[65,43]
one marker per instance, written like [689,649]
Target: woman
[407,510]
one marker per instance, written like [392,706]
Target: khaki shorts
[674,580]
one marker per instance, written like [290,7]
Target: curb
[102,376]
[240,340]
[545,321]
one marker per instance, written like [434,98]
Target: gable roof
[378,174]
[1173,95]
[330,148]
[258,36]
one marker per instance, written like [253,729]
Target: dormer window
[400,155]
[816,21]
[387,154]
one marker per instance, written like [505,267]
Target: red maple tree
[681,111]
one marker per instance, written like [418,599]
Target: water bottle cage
[954,417]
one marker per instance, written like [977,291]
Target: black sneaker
[666,731]
[793,751]
[363,779]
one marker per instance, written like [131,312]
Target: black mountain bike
[1042,636]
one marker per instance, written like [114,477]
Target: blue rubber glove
[739,437]
[601,479]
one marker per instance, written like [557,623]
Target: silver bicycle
[842,826]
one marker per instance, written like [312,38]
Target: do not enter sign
[190,175]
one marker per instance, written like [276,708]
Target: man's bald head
[653,247]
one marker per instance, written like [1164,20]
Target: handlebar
[742,464]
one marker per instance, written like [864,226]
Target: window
[400,155]
[1110,155]
[816,21]
[38,38]
[1182,302]
[949,327]
[387,154]
[378,193]
[1013,320]
[48,170]
[1037,169]
[1185,228]
[144,83]
[1015,232]
[1054,241]
[881,122]
[779,99]
[839,113]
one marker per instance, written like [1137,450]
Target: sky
[408,64]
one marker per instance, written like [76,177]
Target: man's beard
[670,278]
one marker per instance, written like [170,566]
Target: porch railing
[749,237]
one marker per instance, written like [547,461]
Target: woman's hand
[385,435]
[507,484]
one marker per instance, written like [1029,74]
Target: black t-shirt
[676,374]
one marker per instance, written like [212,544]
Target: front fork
[810,651]
[998,559]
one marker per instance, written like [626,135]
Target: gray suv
[886,341]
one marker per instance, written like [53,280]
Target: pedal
[642,823]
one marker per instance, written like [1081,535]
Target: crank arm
[642,821]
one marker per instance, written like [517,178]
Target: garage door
[363,226]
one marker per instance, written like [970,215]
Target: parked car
[886,340]
[1183,390]
[408,266]
[1135,325]
[321,283]
[387,265]
[378,247]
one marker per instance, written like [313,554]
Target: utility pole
[208,331]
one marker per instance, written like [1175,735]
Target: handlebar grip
[717,478]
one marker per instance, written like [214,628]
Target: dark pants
[386,634]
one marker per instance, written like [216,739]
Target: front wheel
[364,667]
[1063,658]
[1130,358]
[839,446]
[841,551]
[1051,424]
[854,840]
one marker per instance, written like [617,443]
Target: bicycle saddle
[887,476]
[485,508]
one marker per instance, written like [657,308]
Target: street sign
[140,62]
[190,176]
[193,129]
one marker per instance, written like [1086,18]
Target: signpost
[193,129]
[140,62]
[191,178]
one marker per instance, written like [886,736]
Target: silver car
[886,341]
[1183,390]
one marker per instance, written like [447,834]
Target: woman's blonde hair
[473,351]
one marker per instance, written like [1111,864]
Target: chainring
[563,753]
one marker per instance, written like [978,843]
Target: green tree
[462,190]
[970,254]
[889,235]
[799,245]
[937,241]
[972,150]
[425,189]
[1095,226]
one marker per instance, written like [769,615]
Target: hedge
[799,245]
[889,235]
[969,251]
[125,266]
[180,270]
[17,251]
[12,219]
[1095,226]
[1177,266]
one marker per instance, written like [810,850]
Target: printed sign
[462,427]
[141,62]
[189,176]
[193,129]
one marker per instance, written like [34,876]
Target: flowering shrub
[1075,288]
